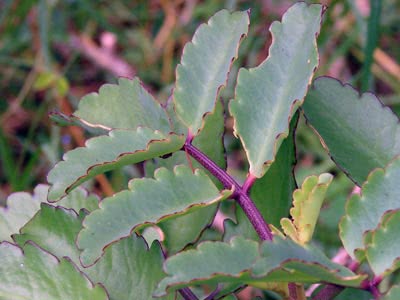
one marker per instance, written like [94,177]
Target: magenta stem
[239,194]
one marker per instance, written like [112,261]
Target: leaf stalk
[239,193]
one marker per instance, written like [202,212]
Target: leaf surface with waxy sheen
[267,96]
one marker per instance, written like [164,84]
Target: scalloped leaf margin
[105,153]
[267,96]
[148,201]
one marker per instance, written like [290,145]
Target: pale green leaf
[20,208]
[383,253]
[380,193]
[281,260]
[33,274]
[79,199]
[148,201]
[267,96]
[127,268]
[127,105]
[358,131]
[392,294]
[205,64]
[105,153]
[307,202]
[54,229]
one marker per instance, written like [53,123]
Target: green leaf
[129,269]
[281,260]
[148,201]
[358,131]
[184,230]
[382,251]
[393,294]
[20,209]
[79,199]
[127,105]
[267,96]
[205,64]
[31,273]
[307,203]
[54,229]
[105,153]
[380,193]
[272,193]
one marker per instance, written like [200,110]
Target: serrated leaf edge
[170,287]
[358,197]
[222,195]
[296,103]
[233,59]
[359,98]
[80,179]
[58,262]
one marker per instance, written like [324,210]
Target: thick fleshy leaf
[148,201]
[380,193]
[383,253]
[281,260]
[186,229]
[79,199]
[54,229]
[129,269]
[31,273]
[127,105]
[272,193]
[104,153]
[20,208]
[307,203]
[205,64]
[348,123]
[209,141]
[267,96]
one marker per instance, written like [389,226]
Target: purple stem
[328,292]
[187,294]
[248,206]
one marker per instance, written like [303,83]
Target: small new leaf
[105,153]
[148,201]
[307,203]
[267,96]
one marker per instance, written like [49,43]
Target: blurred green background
[52,52]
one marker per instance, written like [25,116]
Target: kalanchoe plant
[63,243]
